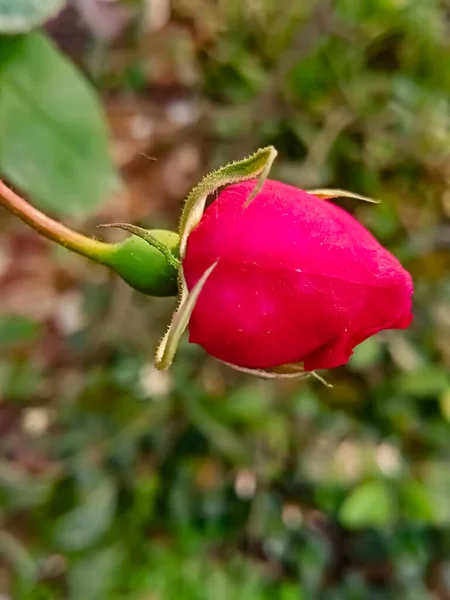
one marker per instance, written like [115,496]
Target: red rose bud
[297,280]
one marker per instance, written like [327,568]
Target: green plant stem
[51,229]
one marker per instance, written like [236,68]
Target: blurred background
[121,482]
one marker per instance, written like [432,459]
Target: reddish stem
[52,230]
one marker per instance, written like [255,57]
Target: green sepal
[288,371]
[169,343]
[256,165]
[326,194]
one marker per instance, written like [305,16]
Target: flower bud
[296,280]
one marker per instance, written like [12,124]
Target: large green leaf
[17,16]
[53,138]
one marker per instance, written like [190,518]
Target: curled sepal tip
[271,154]
[326,194]
[258,164]
[169,343]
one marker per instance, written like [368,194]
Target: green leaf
[18,555]
[92,577]
[437,481]
[21,490]
[15,329]
[366,354]
[444,403]
[219,435]
[431,380]
[54,143]
[82,526]
[18,16]
[247,403]
[417,502]
[370,504]
[19,379]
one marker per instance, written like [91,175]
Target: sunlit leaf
[18,16]
[370,504]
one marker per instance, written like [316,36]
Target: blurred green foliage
[117,481]
[54,144]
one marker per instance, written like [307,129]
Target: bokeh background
[120,482]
